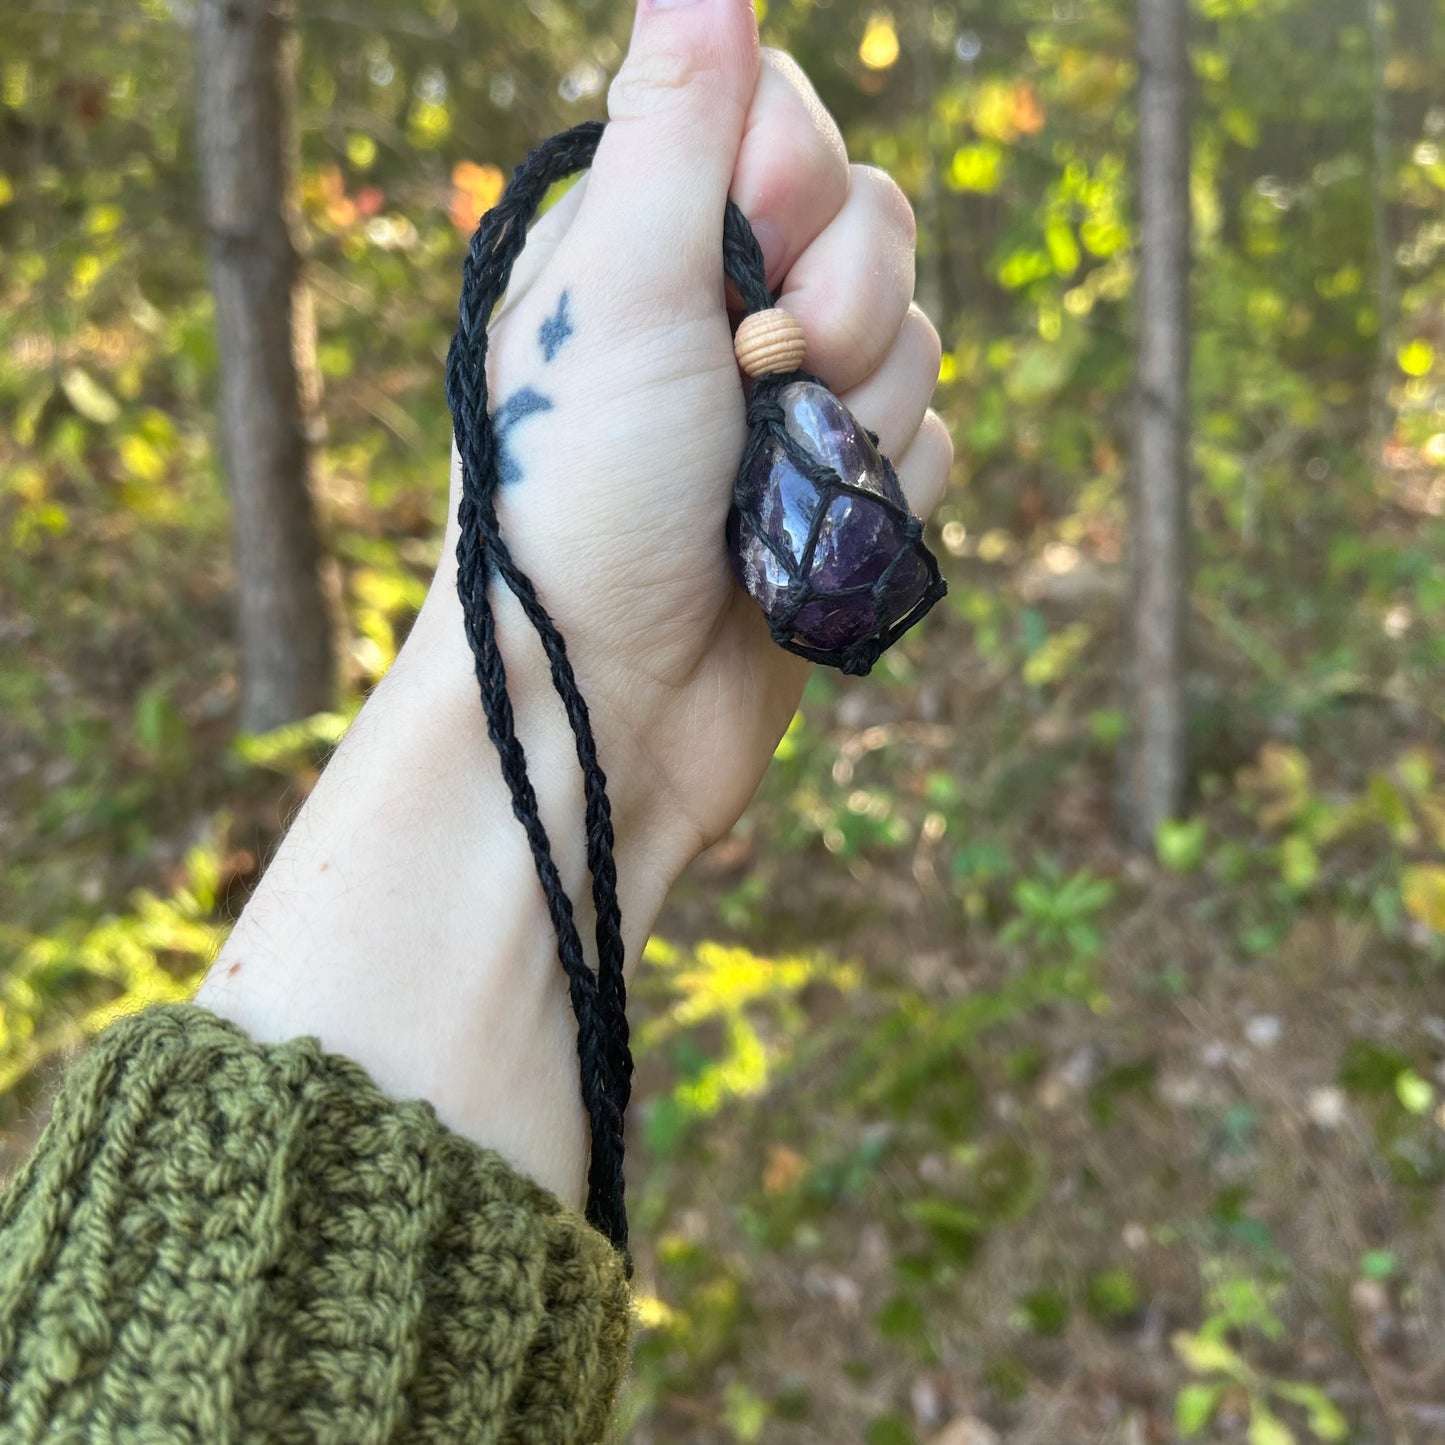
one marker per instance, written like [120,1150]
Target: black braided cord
[599,1000]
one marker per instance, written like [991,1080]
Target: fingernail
[667,4]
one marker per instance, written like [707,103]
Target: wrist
[402,923]
[654,841]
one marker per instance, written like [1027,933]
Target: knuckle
[887,196]
[800,159]
[851,337]
[945,443]
[654,78]
[783,63]
[929,340]
[636,87]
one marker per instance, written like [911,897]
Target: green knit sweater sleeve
[221,1241]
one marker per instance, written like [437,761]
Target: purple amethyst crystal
[836,603]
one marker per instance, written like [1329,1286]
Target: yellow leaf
[102,220]
[993,111]
[879,47]
[976,168]
[141,459]
[654,1313]
[360,150]
[1206,1356]
[430,123]
[1416,357]
[1268,1429]
[1422,889]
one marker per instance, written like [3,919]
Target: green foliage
[1057,913]
[714,987]
[1114,1296]
[1240,1305]
[1181,845]
[889,1430]
[60,988]
[1045,1311]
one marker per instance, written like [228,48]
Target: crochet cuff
[220,1240]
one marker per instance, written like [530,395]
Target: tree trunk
[1155,766]
[246,75]
[1381,418]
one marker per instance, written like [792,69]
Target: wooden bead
[769,341]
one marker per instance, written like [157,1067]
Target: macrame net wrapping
[599,999]
[882,619]
[808,582]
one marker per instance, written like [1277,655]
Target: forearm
[401,921]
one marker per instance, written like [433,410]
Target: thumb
[678,109]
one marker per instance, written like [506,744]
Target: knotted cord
[599,1000]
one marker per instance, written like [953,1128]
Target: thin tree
[1381,420]
[246,81]
[1154,770]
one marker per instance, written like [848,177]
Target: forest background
[961,1116]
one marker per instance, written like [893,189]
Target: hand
[619,408]
[401,921]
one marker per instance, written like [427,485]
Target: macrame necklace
[819,534]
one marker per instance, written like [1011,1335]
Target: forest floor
[956,1121]
[1024,1150]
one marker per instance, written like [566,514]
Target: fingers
[678,107]
[791,176]
[893,400]
[924,467]
[841,240]
[851,287]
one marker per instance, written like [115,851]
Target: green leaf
[1113,1295]
[160,729]
[1194,1407]
[1108,725]
[282,746]
[1043,368]
[745,1412]
[901,1318]
[1414,1093]
[976,168]
[1180,844]
[1063,248]
[88,396]
[889,1430]
[1377,1263]
[1299,864]
[1325,1419]
[1268,1429]
[1208,1357]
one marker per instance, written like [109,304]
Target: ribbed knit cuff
[217,1240]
